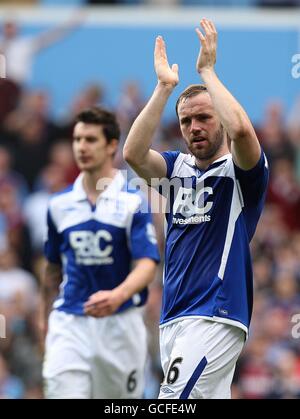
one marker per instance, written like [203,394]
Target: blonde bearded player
[207,300]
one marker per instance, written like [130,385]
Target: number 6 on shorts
[173,372]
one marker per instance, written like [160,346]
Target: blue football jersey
[211,218]
[96,245]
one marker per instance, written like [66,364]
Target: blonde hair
[190,91]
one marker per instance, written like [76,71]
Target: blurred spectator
[61,154]
[295,245]
[286,293]
[10,206]
[10,386]
[286,384]
[9,98]
[19,50]
[3,232]
[13,223]
[263,271]
[285,260]
[33,104]
[18,303]
[284,191]
[7,175]
[91,95]
[32,149]
[271,232]
[28,132]
[35,209]
[293,129]
[16,284]
[273,135]
[254,376]
[130,104]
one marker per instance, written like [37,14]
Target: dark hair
[100,116]
[190,91]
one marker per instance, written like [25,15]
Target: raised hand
[208,49]
[165,74]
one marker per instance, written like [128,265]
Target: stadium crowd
[36,161]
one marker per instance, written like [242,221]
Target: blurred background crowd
[214,3]
[36,161]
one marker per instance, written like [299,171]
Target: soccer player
[96,340]
[215,201]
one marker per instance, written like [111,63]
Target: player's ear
[113,146]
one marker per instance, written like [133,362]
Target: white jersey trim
[60,300]
[235,211]
[213,319]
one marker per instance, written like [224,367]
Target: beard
[210,149]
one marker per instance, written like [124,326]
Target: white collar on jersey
[225,157]
[111,191]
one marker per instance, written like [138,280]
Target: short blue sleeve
[170,158]
[52,243]
[143,240]
[254,182]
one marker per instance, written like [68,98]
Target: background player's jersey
[211,219]
[97,244]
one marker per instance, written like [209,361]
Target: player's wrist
[166,87]
[121,294]
[206,72]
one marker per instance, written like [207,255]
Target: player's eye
[91,139]
[185,121]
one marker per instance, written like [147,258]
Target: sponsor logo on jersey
[192,205]
[92,248]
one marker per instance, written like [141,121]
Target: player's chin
[199,154]
[85,166]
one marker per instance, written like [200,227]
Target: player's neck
[203,164]
[91,179]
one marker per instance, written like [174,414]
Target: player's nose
[81,144]
[195,126]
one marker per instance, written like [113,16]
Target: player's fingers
[210,36]
[102,313]
[90,302]
[89,306]
[200,36]
[157,47]
[210,25]
[94,311]
[92,305]
[175,68]
[207,28]
[157,51]
[163,49]
[213,30]
[204,26]
[87,310]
